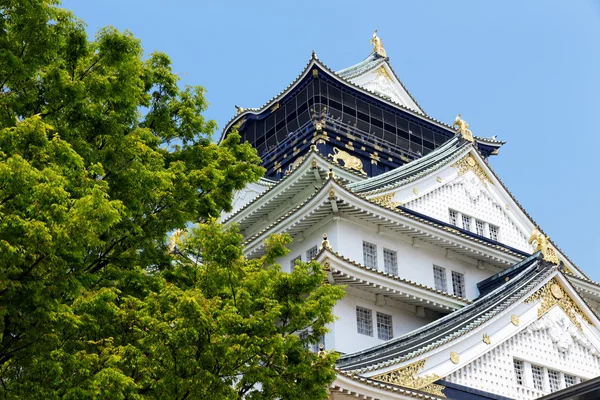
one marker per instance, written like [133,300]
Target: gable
[464,184]
[488,335]
[553,342]
[382,81]
[468,195]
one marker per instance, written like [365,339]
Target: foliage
[101,155]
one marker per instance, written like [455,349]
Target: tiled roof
[373,61]
[392,276]
[321,65]
[533,271]
[414,170]
[403,212]
[273,184]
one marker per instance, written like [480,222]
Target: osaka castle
[452,289]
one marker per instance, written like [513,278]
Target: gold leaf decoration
[454,357]
[552,294]
[515,320]
[543,245]
[386,200]
[486,339]
[408,376]
[468,163]
[434,389]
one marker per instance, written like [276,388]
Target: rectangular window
[385,331]
[439,277]
[570,380]
[364,321]
[370,255]
[311,253]
[494,232]
[466,222]
[479,226]
[390,262]
[458,283]
[519,371]
[293,263]
[537,373]
[453,217]
[554,380]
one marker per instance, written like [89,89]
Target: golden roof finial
[325,243]
[331,174]
[175,241]
[377,45]
[543,244]
[322,353]
[463,128]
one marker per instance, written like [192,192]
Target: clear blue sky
[528,72]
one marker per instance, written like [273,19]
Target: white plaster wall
[552,342]
[300,247]
[345,337]
[469,196]
[414,263]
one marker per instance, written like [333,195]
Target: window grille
[554,380]
[390,261]
[311,253]
[385,331]
[537,373]
[519,371]
[314,347]
[458,283]
[453,217]
[370,255]
[494,232]
[293,263]
[570,380]
[466,221]
[303,336]
[439,276]
[364,321]
[479,225]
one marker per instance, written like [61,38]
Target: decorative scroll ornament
[408,376]
[468,163]
[386,200]
[434,389]
[552,294]
[463,128]
[349,160]
[381,71]
[377,45]
[239,110]
[542,243]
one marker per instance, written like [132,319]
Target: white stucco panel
[552,343]
[469,196]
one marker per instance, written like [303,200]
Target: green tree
[101,155]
